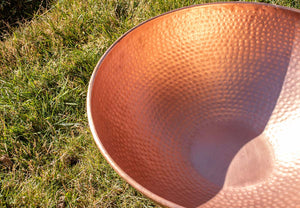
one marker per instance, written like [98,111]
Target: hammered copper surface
[201,107]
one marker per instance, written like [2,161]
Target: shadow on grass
[14,12]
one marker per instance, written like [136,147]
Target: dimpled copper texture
[200,107]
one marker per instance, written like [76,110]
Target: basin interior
[180,103]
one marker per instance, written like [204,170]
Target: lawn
[47,154]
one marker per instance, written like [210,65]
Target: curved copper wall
[201,106]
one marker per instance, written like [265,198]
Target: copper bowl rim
[114,165]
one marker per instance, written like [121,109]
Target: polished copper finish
[200,107]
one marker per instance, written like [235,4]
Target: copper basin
[200,107]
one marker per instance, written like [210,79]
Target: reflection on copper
[200,107]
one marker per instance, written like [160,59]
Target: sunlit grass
[47,155]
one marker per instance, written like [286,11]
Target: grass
[14,12]
[47,155]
